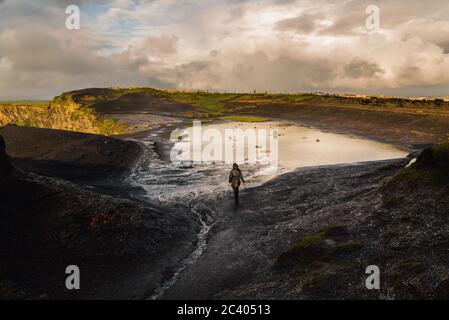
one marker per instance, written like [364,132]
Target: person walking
[235,177]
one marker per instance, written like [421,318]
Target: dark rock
[48,224]
[73,156]
[436,157]
[425,158]
[5,162]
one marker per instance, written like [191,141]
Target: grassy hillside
[94,110]
[61,113]
[189,104]
[213,104]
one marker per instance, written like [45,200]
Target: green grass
[245,119]
[391,105]
[274,98]
[122,91]
[208,102]
[316,239]
[309,241]
[138,90]
[212,103]
[316,248]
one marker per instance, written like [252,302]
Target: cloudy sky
[232,45]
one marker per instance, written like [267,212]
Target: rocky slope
[312,233]
[69,155]
[48,224]
[61,113]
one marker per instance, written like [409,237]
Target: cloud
[362,69]
[224,45]
[159,46]
[305,23]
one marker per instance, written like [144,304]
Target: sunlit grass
[245,119]
[209,102]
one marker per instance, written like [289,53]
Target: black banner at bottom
[227,309]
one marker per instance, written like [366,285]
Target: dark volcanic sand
[244,256]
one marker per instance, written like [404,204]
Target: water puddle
[296,146]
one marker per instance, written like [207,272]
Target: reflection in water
[294,146]
[302,147]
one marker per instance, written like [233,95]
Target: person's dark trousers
[236,194]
